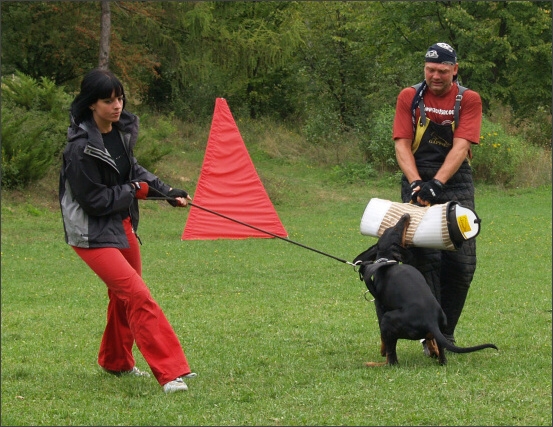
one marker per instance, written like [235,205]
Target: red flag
[229,185]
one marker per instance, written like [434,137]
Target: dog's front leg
[391,353]
[390,333]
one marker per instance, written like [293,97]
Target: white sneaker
[190,375]
[176,385]
[136,373]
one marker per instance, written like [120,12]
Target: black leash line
[255,228]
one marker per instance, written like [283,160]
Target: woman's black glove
[174,193]
[431,191]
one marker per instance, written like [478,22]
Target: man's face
[439,77]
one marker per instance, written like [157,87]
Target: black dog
[405,306]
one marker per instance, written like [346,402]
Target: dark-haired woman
[100,182]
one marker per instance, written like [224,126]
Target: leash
[165,197]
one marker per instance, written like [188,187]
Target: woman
[100,182]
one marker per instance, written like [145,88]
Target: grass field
[278,334]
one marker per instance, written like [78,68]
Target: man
[433,152]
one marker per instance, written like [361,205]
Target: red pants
[133,316]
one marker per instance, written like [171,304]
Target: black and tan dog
[405,306]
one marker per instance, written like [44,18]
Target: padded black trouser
[448,273]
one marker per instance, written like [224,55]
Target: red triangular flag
[230,186]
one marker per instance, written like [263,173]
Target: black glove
[175,192]
[415,193]
[431,191]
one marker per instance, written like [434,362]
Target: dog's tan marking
[375,364]
[432,346]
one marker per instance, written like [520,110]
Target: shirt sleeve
[403,122]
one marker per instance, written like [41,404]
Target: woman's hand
[181,197]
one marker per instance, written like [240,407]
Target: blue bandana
[441,53]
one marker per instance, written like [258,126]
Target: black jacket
[92,203]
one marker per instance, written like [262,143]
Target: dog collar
[385,261]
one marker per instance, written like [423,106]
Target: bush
[537,131]
[495,157]
[34,124]
[26,153]
[155,140]
[379,148]
[322,125]
[351,173]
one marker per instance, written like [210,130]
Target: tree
[61,40]
[105,29]
[52,40]
[504,48]
[226,49]
[337,62]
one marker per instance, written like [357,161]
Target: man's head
[440,68]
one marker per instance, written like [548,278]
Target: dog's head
[390,246]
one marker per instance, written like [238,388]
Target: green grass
[278,334]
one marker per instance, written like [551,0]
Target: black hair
[97,84]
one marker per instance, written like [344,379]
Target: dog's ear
[364,257]
[368,255]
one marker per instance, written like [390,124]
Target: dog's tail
[445,343]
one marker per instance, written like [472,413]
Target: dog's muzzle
[444,226]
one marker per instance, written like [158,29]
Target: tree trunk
[105,30]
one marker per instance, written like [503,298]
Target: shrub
[537,131]
[322,125]
[497,157]
[379,148]
[34,124]
[508,159]
[155,140]
[350,173]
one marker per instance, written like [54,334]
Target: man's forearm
[406,160]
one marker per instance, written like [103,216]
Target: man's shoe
[190,375]
[450,338]
[176,385]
